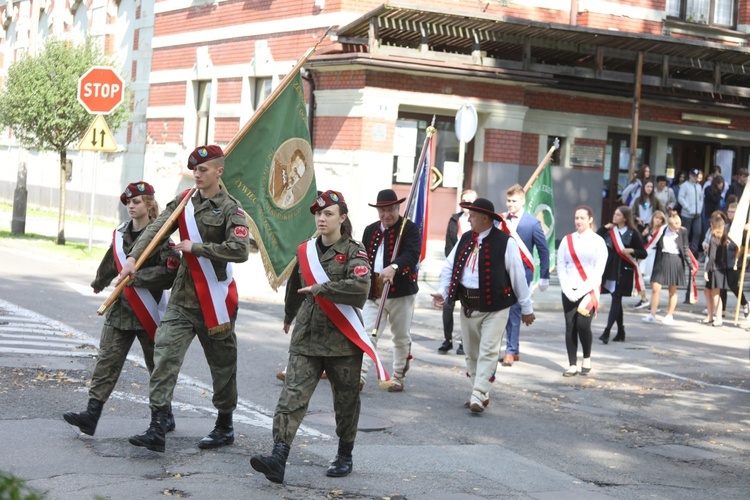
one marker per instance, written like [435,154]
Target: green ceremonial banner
[541,204]
[270,170]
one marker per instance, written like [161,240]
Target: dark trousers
[693,227]
[577,327]
[615,315]
[733,278]
[448,308]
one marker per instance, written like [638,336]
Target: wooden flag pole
[541,166]
[742,274]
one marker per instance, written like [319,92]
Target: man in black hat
[485,272]
[400,271]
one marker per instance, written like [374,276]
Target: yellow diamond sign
[98,137]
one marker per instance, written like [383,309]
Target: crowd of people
[343,293]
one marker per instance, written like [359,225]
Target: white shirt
[470,277]
[592,254]
[378,265]
[512,219]
[669,242]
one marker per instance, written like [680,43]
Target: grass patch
[71,249]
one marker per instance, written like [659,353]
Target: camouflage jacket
[223,228]
[314,333]
[156,274]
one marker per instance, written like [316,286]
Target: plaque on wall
[587,156]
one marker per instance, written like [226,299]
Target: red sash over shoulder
[218,299]
[590,302]
[619,248]
[343,316]
[148,311]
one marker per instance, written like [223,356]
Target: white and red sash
[526,256]
[647,265]
[218,299]
[148,311]
[619,248]
[343,316]
[590,302]
[693,285]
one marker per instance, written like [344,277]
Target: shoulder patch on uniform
[361,271]
[240,211]
[240,232]
[361,254]
[216,211]
[340,257]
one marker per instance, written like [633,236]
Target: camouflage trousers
[173,337]
[302,376]
[114,346]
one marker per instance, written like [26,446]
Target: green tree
[40,105]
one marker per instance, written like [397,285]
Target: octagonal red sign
[100,90]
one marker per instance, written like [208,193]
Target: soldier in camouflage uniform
[318,343]
[214,232]
[122,325]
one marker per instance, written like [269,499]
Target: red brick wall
[229,14]
[577,104]
[163,131]
[529,149]
[136,38]
[502,146]
[167,94]
[229,91]
[225,129]
[338,132]
[743,12]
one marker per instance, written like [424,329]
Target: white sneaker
[668,320]
[746,310]
[705,311]
[649,318]
[642,304]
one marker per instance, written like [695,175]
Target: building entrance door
[616,164]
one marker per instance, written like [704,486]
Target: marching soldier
[136,312]
[325,291]
[213,234]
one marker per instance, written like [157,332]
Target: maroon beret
[136,189]
[202,154]
[326,199]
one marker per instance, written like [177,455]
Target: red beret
[136,189]
[326,199]
[202,154]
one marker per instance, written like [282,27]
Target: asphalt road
[663,415]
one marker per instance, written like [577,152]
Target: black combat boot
[342,464]
[170,422]
[274,465]
[222,435]
[86,421]
[154,437]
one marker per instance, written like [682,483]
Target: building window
[709,12]
[203,108]
[556,155]
[261,90]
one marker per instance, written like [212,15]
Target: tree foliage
[39,101]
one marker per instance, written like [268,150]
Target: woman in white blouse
[581,259]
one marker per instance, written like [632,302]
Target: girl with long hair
[644,207]
[671,258]
[621,274]
[715,272]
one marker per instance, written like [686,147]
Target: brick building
[578,70]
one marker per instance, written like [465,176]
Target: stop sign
[100,90]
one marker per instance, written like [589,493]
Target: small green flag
[270,171]
[541,204]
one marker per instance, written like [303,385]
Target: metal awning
[566,56]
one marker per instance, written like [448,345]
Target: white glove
[543,285]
